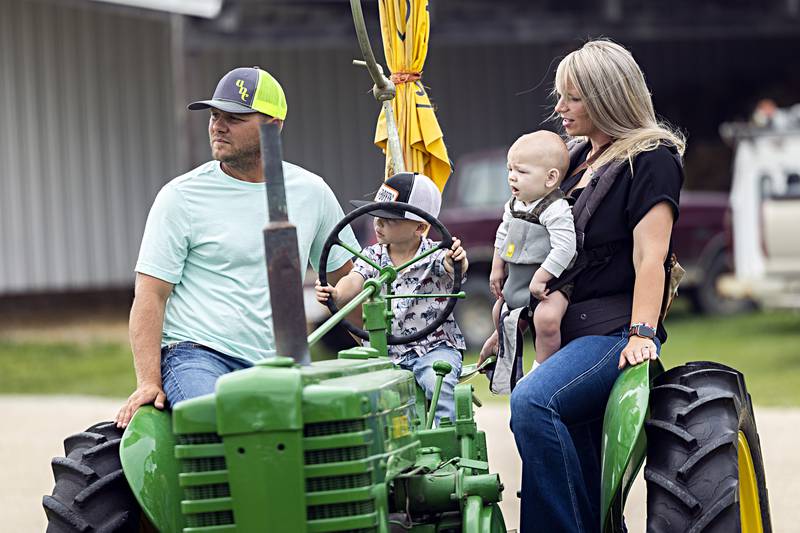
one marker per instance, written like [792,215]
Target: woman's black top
[657,177]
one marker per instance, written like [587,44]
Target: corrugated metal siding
[89,128]
[331,120]
[87,139]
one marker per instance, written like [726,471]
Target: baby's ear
[553,177]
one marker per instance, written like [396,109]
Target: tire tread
[697,411]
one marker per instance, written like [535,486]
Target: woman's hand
[638,350]
[490,347]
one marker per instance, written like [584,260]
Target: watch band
[642,329]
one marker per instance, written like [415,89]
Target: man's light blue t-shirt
[204,235]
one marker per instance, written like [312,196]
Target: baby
[535,240]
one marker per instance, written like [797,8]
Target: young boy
[535,240]
[400,238]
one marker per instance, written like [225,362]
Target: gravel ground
[33,429]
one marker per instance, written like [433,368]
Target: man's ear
[422,228]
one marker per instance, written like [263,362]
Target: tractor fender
[147,452]
[624,441]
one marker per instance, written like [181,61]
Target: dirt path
[32,429]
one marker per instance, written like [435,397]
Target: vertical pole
[177,36]
[282,255]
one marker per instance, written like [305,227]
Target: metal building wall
[331,119]
[86,140]
[89,130]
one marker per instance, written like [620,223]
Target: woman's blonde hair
[612,87]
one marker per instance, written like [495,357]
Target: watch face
[640,330]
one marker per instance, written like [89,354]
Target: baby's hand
[324,293]
[538,286]
[496,278]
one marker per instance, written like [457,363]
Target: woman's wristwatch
[642,329]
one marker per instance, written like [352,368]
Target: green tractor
[349,444]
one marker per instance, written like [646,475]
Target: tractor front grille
[339,476]
[204,477]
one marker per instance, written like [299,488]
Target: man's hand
[538,286]
[325,293]
[638,350]
[144,394]
[455,253]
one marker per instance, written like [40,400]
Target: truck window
[482,183]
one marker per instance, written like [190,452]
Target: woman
[557,414]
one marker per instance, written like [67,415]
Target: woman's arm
[650,246]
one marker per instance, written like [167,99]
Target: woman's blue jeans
[557,420]
[189,370]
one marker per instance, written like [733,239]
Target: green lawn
[764,346]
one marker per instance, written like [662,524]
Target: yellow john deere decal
[242,90]
[400,426]
[510,250]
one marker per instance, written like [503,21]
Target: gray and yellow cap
[247,90]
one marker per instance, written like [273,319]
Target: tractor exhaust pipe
[282,256]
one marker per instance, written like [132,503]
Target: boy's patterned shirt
[427,276]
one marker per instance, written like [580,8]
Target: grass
[102,369]
[765,346]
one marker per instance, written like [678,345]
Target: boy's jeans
[422,367]
[189,370]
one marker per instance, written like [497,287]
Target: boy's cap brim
[223,105]
[381,213]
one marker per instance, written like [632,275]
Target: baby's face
[527,177]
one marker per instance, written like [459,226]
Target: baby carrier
[591,317]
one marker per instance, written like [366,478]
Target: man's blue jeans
[422,367]
[557,420]
[189,370]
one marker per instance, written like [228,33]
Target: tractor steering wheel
[445,244]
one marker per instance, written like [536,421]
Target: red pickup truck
[472,208]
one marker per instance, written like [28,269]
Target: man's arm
[146,326]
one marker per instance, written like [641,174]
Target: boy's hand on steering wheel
[455,253]
[323,293]
[638,350]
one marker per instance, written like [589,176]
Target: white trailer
[765,204]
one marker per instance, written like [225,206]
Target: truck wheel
[706,298]
[704,469]
[474,314]
[91,493]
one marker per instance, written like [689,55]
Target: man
[201,306]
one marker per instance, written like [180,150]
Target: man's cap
[410,188]
[247,90]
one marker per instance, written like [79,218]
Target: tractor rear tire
[704,470]
[91,493]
